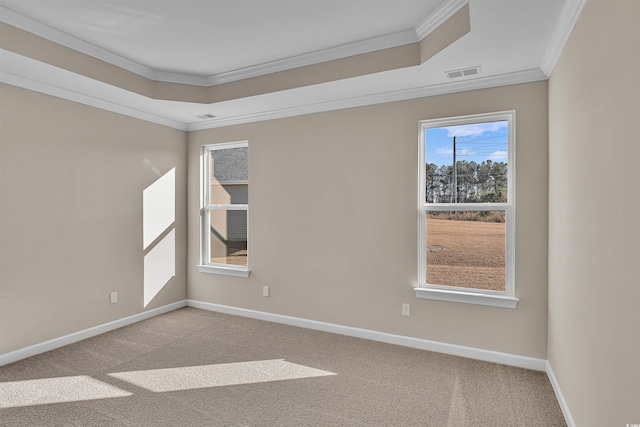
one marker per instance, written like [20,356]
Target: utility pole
[454,191]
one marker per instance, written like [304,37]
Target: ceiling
[210,42]
[204,37]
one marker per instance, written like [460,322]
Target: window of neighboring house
[466,209]
[225,208]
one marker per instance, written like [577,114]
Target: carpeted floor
[193,367]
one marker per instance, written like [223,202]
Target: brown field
[468,254]
[235,257]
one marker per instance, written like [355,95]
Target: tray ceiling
[209,42]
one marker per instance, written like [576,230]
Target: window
[466,209]
[225,208]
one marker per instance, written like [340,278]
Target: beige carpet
[192,367]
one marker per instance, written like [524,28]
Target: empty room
[319,213]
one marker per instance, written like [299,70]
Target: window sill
[221,269]
[467,297]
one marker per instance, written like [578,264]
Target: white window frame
[206,266]
[504,298]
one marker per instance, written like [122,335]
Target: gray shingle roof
[231,165]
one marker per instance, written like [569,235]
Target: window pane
[229,175]
[466,249]
[479,152]
[228,237]
[229,194]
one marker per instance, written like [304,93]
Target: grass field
[468,254]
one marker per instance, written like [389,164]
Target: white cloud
[475,129]
[444,150]
[498,155]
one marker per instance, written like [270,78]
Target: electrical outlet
[265,291]
[114,297]
[406,309]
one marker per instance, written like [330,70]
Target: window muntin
[466,237]
[225,208]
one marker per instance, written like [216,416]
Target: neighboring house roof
[231,165]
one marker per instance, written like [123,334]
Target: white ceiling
[191,40]
[205,37]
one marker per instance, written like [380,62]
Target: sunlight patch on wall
[159,266]
[226,374]
[56,390]
[158,216]
[158,207]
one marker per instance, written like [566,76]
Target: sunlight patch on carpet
[45,391]
[219,375]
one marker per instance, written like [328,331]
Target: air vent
[205,116]
[465,72]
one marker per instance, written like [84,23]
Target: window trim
[205,265]
[504,298]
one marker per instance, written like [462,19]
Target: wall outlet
[265,291]
[406,309]
[114,297]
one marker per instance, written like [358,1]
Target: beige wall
[594,216]
[71,185]
[333,225]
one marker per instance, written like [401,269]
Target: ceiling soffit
[407,55]
[430,23]
[399,51]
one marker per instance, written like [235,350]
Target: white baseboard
[440,347]
[32,350]
[560,397]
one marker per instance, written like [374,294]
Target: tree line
[484,182]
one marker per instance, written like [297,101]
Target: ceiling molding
[30,74]
[27,73]
[33,26]
[438,17]
[92,101]
[317,57]
[519,77]
[568,18]
[181,78]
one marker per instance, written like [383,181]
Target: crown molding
[27,73]
[32,26]
[317,57]
[92,101]
[568,18]
[519,77]
[437,18]
[429,24]
[180,78]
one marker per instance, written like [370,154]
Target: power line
[484,139]
[491,144]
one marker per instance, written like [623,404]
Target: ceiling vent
[205,116]
[465,72]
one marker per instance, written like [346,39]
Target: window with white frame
[225,207]
[466,209]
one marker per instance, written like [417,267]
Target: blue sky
[475,142]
